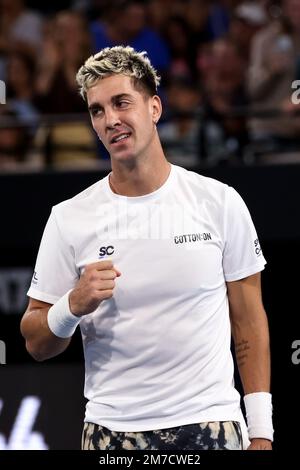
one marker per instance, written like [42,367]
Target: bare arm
[95,285]
[41,343]
[251,338]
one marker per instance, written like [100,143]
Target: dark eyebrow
[93,106]
[114,99]
[118,97]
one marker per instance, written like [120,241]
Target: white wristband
[61,320]
[259,415]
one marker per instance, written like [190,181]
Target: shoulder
[83,201]
[220,198]
[203,185]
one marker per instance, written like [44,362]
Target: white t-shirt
[157,353]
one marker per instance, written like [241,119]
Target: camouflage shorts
[223,435]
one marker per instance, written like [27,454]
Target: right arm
[41,343]
[95,285]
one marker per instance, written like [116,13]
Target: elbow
[44,350]
[30,345]
[35,352]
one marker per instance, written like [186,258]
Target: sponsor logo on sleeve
[34,278]
[257,247]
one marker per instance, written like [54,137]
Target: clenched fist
[95,284]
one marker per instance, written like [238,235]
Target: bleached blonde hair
[118,60]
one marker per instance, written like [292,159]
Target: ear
[156,108]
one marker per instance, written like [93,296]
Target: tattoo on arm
[241,352]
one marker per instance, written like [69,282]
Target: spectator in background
[125,23]
[208,20]
[20,81]
[65,143]
[273,68]
[182,48]
[224,91]
[205,62]
[218,19]
[19,26]
[14,140]
[66,42]
[197,13]
[158,13]
[247,19]
[180,135]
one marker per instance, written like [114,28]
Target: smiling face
[124,117]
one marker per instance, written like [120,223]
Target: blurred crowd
[229,71]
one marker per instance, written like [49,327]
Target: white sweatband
[259,415]
[61,320]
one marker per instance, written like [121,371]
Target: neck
[139,178]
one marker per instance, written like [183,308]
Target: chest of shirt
[158,248]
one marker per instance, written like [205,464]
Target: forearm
[41,343]
[251,339]
[253,360]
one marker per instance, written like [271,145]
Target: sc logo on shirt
[106,251]
[257,246]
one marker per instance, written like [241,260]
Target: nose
[112,118]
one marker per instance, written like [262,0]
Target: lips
[120,137]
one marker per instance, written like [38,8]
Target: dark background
[272,195]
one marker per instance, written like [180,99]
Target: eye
[96,111]
[122,104]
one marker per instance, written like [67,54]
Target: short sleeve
[242,255]
[55,270]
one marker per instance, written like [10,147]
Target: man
[175,249]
